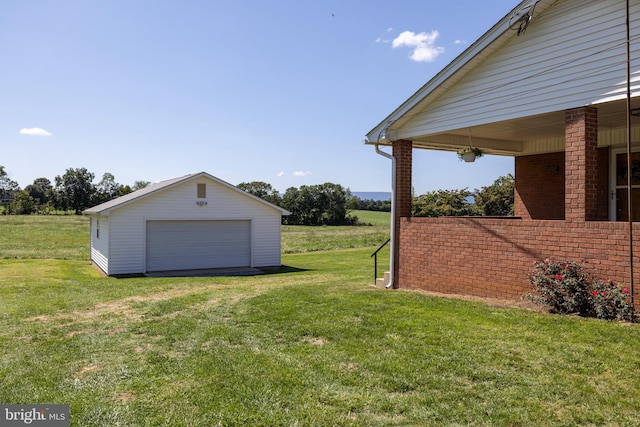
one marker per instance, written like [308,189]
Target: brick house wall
[539,186]
[540,181]
[492,257]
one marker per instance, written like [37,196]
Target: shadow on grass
[284,269]
[212,272]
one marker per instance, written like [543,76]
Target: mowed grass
[312,344]
[44,236]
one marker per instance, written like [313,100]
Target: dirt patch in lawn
[85,369]
[125,307]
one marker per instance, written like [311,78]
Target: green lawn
[312,344]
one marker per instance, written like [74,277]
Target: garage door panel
[179,245]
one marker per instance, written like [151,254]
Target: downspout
[629,178]
[392,261]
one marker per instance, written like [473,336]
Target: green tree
[124,189]
[333,201]
[355,202]
[261,189]
[497,199]
[444,203]
[323,204]
[107,189]
[40,191]
[7,188]
[22,204]
[299,202]
[74,190]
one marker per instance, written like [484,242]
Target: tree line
[496,199]
[322,204]
[73,191]
[329,204]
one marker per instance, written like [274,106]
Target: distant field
[375,218]
[296,238]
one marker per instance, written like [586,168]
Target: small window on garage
[202,191]
[97,229]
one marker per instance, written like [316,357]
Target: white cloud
[302,173]
[460,41]
[280,173]
[423,44]
[34,132]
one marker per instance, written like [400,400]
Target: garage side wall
[128,224]
[100,242]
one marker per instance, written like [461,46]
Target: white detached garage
[193,222]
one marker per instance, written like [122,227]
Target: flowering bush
[562,286]
[568,289]
[611,301]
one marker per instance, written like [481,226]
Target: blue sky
[282,91]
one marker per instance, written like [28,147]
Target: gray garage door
[183,245]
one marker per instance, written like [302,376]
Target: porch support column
[403,152]
[581,164]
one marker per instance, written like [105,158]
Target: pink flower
[559,277]
[594,293]
[625,290]
[604,294]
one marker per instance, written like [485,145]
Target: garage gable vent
[202,191]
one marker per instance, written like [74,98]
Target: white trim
[611,194]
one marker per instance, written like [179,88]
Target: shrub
[611,301]
[562,286]
[568,289]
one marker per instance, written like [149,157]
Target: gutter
[393,212]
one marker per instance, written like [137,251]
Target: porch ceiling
[508,137]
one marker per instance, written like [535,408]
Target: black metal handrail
[375,259]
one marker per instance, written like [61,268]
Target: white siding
[128,224]
[100,243]
[571,55]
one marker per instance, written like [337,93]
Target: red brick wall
[539,186]
[539,189]
[602,194]
[492,257]
[581,164]
[403,152]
